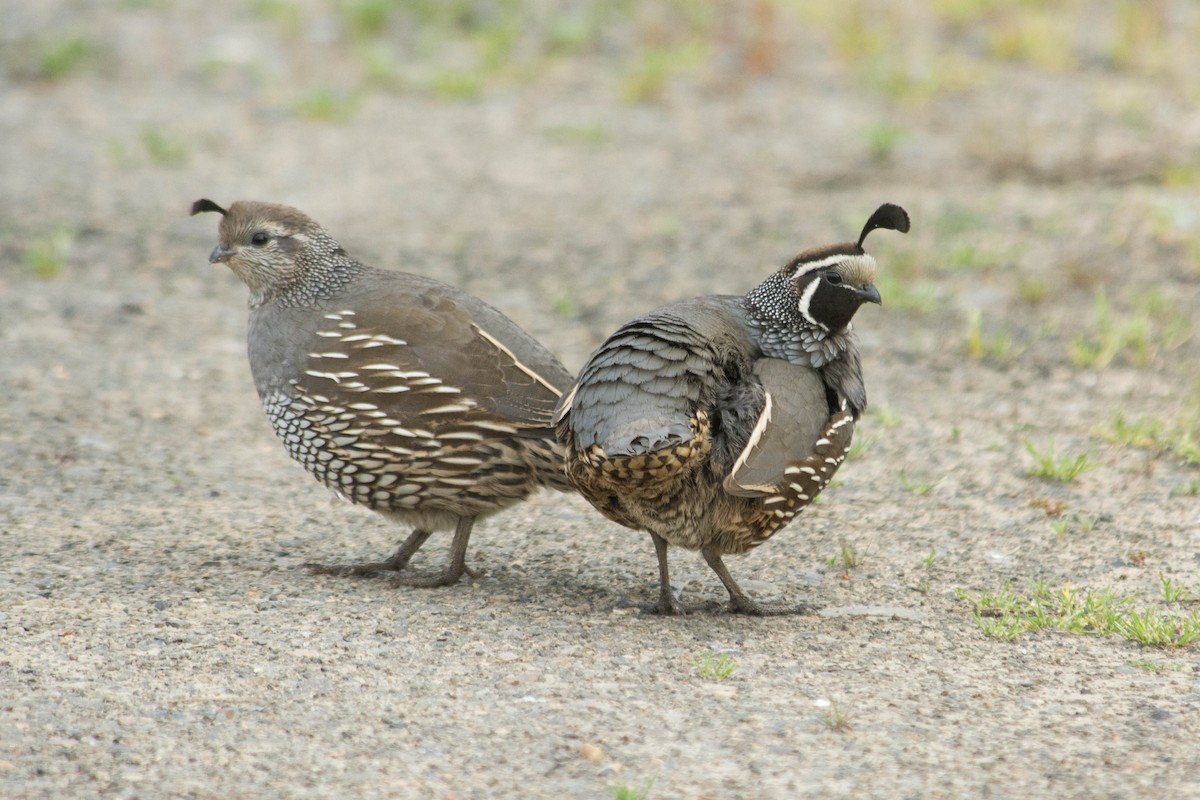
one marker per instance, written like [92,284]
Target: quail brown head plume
[398,392]
[711,423]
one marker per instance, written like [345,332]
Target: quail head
[398,392]
[711,423]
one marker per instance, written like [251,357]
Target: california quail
[711,423]
[398,392]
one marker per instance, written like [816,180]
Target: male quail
[396,391]
[712,422]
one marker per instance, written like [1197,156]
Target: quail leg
[739,601]
[397,562]
[453,571]
[667,603]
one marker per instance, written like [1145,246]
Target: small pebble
[590,752]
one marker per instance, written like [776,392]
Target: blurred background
[1044,147]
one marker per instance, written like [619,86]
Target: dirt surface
[160,638]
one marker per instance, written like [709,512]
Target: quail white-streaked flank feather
[713,422]
[398,392]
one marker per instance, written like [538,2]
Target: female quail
[711,423]
[396,391]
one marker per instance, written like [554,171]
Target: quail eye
[833,277]
[259,238]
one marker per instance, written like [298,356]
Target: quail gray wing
[792,414]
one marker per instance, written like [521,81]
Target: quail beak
[220,253]
[870,294]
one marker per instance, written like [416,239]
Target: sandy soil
[159,638]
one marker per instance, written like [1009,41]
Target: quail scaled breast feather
[398,392]
[713,422]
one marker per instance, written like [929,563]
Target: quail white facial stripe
[805,267]
[805,299]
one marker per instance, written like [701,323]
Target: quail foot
[398,392]
[713,422]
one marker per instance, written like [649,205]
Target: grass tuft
[456,84]
[921,488]
[882,140]
[997,347]
[366,18]
[163,148]
[715,666]
[1156,323]
[849,557]
[64,56]
[1173,592]
[861,446]
[1155,435]
[47,257]
[591,134]
[835,717]
[1061,468]
[1006,615]
[326,105]
[645,80]
[625,792]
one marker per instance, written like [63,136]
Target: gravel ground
[160,638]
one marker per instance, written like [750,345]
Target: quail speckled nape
[398,392]
[711,423]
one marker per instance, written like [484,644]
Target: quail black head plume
[398,392]
[711,423]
